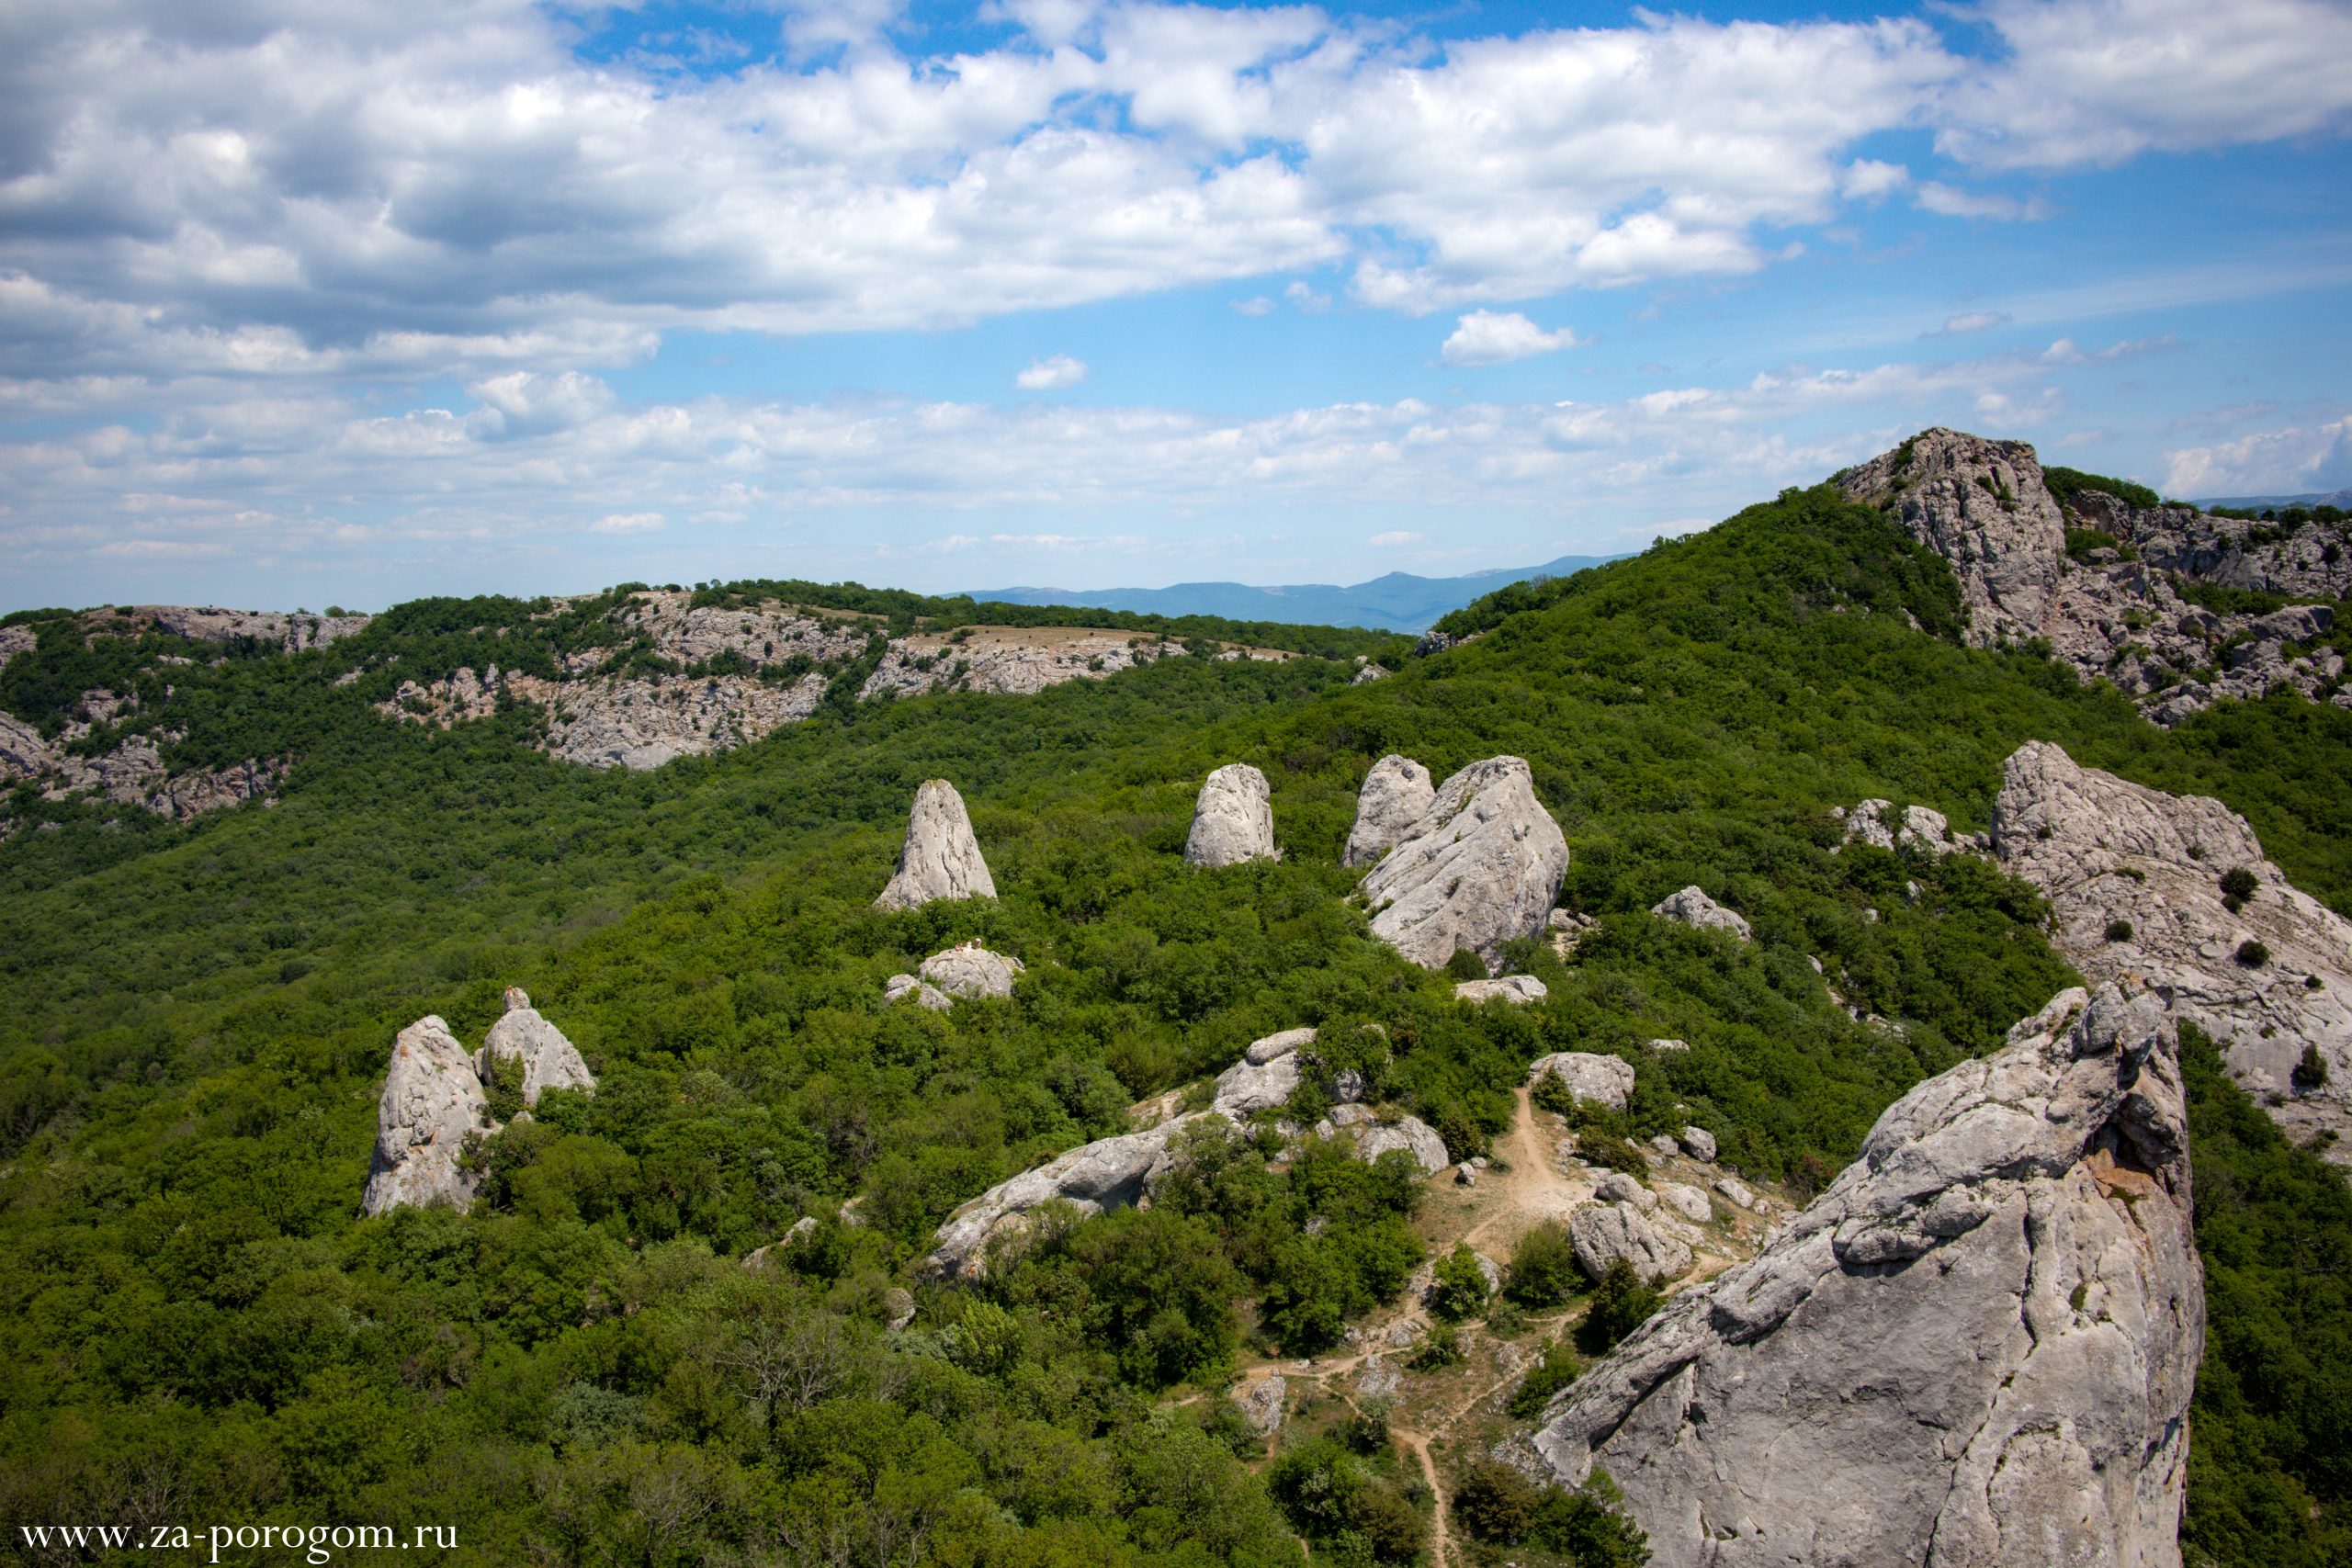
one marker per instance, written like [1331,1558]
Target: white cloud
[1949,202]
[1867,179]
[1051,374]
[627,523]
[1306,298]
[1970,321]
[1259,305]
[2296,461]
[1487,337]
[1396,537]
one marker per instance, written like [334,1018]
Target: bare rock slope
[2136,879]
[1975,1349]
[1480,867]
[940,858]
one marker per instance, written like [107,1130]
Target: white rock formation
[549,1061]
[1106,1173]
[432,1100]
[1984,507]
[1600,1233]
[1261,1400]
[1592,1079]
[2104,850]
[1411,1133]
[1233,820]
[1698,1143]
[971,971]
[1693,908]
[1519,989]
[1874,822]
[1396,794]
[1975,1349]
[940,859]
[901,987]
[1686,1201]
[1479,868]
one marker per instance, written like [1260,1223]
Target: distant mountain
[2318,497]
[1399,601]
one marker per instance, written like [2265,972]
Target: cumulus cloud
[1051,374]
[2296,461]
[1487,337]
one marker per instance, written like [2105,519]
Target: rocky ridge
[2115,613]
[2136,878]
[2007,1271]
[1396,794]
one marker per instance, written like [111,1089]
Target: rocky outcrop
[971,971]
[1479,868]
[1106,1173]
[1698,1143]
[901,988]
[1686,1201]
[1600,1233]
[1411,1133]
[432,1102]
[1397,793]
[2135,877]
[2113,607]
[1009,661]
[1266,1076]
[1516,989]
[547,1059]
[1592,1079]
[1975,1349]
[1692,907]
[940,858]
[1233,820]
[132,772]
[1261,1400]
[1876,823]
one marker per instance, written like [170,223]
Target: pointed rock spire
[431,1101]
[549,1061]
[1395,793]
[1233,821]
[940,859]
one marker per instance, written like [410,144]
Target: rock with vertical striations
[940,859]
[2116,857]
[1396,794]
[432,1100]
[1233,821]
[1479,868]
[1975,1349]
[549,1061]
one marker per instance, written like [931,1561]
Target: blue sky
[303,303]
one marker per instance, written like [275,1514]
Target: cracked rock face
[1411,1133]
[1520,990]
[1693,908]
[1875,822]
[1396,794]
[971,970]
[431,1101]
[898,987]
[1603,1233]
[1233,821]
[2109,853]
[940,859]
[1479,868]
[1592,1079]
[549,1061]
[1984,507]
[1975,1349]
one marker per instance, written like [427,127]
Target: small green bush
[2253,954]
[1461,1285]
[1543,1271]
[1622,1301]
[2118,931]
[1554,1371]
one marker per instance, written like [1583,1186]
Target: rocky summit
[2173,893]
[1975,1349]
[940,859]
[1480,867]
[1233,821]
[548,1060]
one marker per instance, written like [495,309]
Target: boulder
[431,1101]
[1603,1233]
[1593,1080]
[2104,850]
[1975,1349]
[1692,907]
[898,1308]
[1479,868]
[1618,1187]
[1266,1049]
[1698,1143]
[1233,821]
[1396,794]
[549,1061]
[1874,822]
[1412,1134]
[940,859]
[1686,1201]
[899,988]
[1517,988]
[971,970]
[1732,1188]
[1261,1400]
[1108,1173]
[1248,1087]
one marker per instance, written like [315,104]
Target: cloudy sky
[307,302]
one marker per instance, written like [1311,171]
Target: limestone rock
[1255,1084]
[1233,821]
[2007,1271]
[1984,507]
[1874,822]
[1261,1400]
[940,859]
[1686,1201]
[2104,850]
[1593,1080]
[1617,1187]
[1377,1377]
[1603,1233]
[1262,1051]
[1368,674]
[1732,1188]
[549,1061]
[1411,1133]
[1516,989]
[898,987]
[1108,1173]
[971,970]
[1698,1143]
[432,1100]
[1693,908]
[1480,867]
[1396,794]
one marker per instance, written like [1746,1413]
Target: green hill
[196,1017]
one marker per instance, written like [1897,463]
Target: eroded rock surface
[1975,1349]
[1411,1133]
[1233,820]
[432,1100]
[1396,795]
[940,858]
[971,970]
[1592,1079]
[1108,1173]
[1692,907]
[1516,989]
[1876,823]
[2135,877]
[549,1060]
[1479,868]
[901,988]
[1600,1233]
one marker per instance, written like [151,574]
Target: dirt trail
[1533,1188]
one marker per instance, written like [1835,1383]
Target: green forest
[196,1323]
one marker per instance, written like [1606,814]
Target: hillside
[198,1015]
